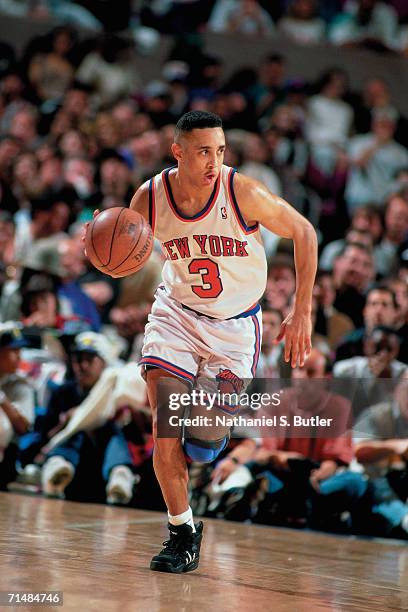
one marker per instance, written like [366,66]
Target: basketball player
[205,323]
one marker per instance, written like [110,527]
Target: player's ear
[177,151]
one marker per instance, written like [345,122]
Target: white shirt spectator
[111,80]
[329,120]
[226,10]
[304,32]
[382,26]
[370,184]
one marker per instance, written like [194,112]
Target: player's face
[201,154]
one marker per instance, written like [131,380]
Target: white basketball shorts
[197,348]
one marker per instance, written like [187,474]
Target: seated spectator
[40,306]
[395,232]
[16,400]
[50,70]
[291,468]
[255,158]
[74,300]
[367,23]
[364,219]
[269,89]
[115,187]
[302,23]
[76,104]
[381,308]
[79,173]
[333,249]
[271,353]
[375,97]
[24,127]
[374,159]
[26,183]
[281,282]
[104,449]
[373,375]
[400,289]
[109,70]
[329,118]
[50,215]
[243,16]
[352,274]
[7,229]
[330,323]
[381,437]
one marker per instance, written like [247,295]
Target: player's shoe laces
[181,553]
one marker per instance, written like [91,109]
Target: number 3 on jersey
[210,275]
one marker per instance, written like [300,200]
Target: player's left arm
[258,205]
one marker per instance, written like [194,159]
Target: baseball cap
[11,336]
[91,342]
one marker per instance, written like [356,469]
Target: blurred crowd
[378,25]
[80,130]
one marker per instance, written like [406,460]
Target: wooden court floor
[99,557]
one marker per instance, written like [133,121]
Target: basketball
[119,241]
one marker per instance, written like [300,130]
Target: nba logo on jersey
[223,212]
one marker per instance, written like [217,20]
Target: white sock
[181,519]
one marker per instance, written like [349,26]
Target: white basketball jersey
[215,264]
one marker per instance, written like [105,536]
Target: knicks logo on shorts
[228,382]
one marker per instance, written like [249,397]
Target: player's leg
[181,552]
[169,461]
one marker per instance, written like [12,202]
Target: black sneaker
[181,553]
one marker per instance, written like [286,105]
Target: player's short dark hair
[197,120]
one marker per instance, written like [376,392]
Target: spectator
[302,23]
[6,240]
[244,16]
[400,289]
[352,274]
[329,322]
[16,400]
[271,353]
[290,467]
[79,172]
[268,91]
[381,437]
[366,23]
[50,70]
[255,156]
[374,159]
[364,219]
[24,127]
[333,249]
[281,282]
[380,309]
[329,119]
[40,306]
[375,98]
[49,219]
[395,232]
[372,376]
[105,449]
[109,71]
[15,95]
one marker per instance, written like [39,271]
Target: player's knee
[204,451]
